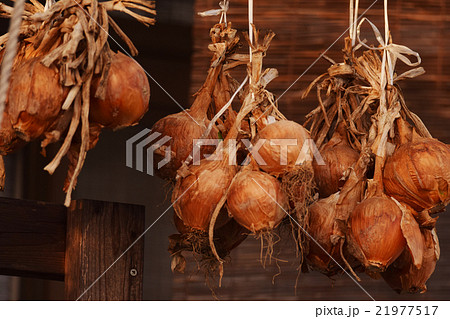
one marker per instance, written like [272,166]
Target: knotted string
[224,5]
[393,51]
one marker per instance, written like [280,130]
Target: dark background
[174,53]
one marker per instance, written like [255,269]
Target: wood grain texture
[97,234]
[32,239]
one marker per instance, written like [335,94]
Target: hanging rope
[353,18]
[10,52]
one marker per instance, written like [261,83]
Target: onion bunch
[63,70]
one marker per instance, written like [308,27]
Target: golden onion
[338,156]
[276,160]
[418,173]
[375,229]
[127,94]
[256,201]
[322,216]
[34,99]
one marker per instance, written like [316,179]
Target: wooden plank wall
[304,30]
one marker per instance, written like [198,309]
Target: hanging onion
[322,216]
[338,156]
[404,276]
[196,196]
[276,160]
[127,94]
[256,201]
[376,231]
[34,99]
[418,173]
[185,127]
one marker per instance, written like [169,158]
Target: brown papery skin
[256,201]
[196,196]
[402,276]
[338,157]
[34,99]
[183,130]
[418,173]
[222,219]
[126,97]
[9,141]
[375,228]
[322,216]
[271,154]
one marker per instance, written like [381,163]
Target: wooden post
[75,245]
[97,234]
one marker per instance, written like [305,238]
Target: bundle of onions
[418,173]
[197,195]
[256,200]
[323,254]
[278,156]
[405,276]
[34,98]
[339,157]
[125,97]
[188,125]
[376,232]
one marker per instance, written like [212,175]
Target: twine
[10,53]
[393,51]
[224,5]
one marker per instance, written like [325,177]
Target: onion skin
[34,99]
[271,154]
[127,94]
[251,206]
[196,196]
[404,277]
[183,130]
[322,215]
[9,141]
[376,230]
[222,219]
[418,173]
[338,157]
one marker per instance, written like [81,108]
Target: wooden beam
[97,234]
[32,239]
